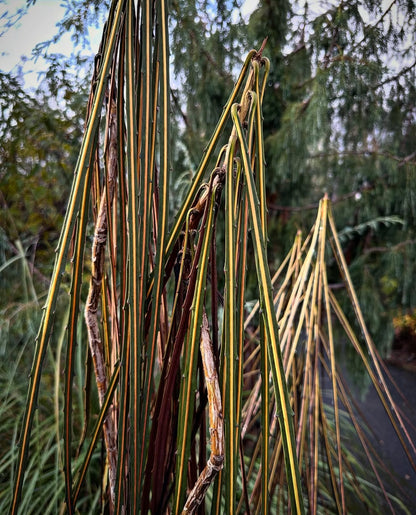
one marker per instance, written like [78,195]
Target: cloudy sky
[35,26]
[39,24]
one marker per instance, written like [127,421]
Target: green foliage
[206,47]
[37,159]
[343,105]
[338,119]
[335,118]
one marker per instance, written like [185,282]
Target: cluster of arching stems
[226,160]
[216,459]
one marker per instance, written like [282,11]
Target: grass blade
[76,195]
[282,397]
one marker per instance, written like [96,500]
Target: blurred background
[339,119]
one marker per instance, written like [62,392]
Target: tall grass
[171,395]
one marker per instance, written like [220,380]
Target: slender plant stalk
[284,410]
[94,294]
[216,459]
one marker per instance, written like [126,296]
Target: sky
[38,25]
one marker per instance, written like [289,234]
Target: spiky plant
[189,391]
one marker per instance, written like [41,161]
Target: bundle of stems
[193,390]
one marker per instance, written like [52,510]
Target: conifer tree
[339,118]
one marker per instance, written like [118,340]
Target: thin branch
[216,423]
[366,153]
[397,76]
[400,245]
[94,294]
[373,25]
[184,116]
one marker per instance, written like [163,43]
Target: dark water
[397,473]
[386,441]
